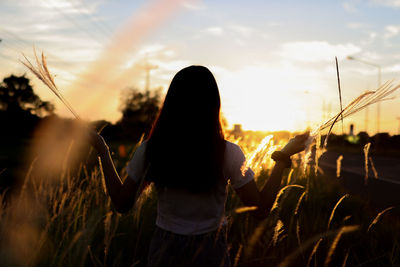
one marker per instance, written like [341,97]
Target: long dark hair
[186,145]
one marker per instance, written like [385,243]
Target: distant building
[351,133]
[237,130]
[353,139]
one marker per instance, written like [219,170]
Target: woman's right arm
[250,194]
[122,194]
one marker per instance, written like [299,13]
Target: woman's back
[184,212]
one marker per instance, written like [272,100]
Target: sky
[274,61]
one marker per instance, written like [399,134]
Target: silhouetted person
[190,163]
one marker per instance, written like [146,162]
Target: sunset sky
[274,61]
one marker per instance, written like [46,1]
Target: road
[382,191]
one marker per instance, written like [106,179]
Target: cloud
[316,51]
[370,56]
[355,25]
[216,31]
[393,68]
[237,32]
[172,66]
[372,35]
[245,31]
[388,3]
[391,31]
[46,29]
[351,6]
[151,49]
[64,6]
[194,5]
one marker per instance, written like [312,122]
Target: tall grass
[70,221]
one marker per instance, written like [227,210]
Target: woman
[190,163]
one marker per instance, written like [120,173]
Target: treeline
[22,113]
[381,143]
[21,110]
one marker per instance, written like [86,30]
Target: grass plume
[42,72]
[245,209]
[366,151]
[343,230]
[334,209]
[374,171]
[377,218]
[361,102]
[339,165]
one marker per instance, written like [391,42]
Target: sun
[261,100]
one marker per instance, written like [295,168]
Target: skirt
[170,249]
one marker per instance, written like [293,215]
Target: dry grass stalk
[366,152]
[308,243]
[377,218]
[314,251]
[318,152]
[345,258]
[278,231]
[103,179]
[238,254]
[296,211]
[141,199]
[296,215]
[258,157]
[373,168]
[43,74]
[255,237]
[280,194]
[343,230]
[107,231]
[338,165]
[334,209]
[290,175]
[340,91]
[245,209]
[298,236]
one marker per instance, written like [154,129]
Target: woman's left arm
[123,194]
[264,199]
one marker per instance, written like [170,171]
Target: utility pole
[148,67]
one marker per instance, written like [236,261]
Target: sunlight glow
[261,98]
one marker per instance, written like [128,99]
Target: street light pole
[378,109]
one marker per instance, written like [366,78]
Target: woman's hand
[296,144]
[97,141]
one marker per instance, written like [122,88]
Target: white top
[182,212]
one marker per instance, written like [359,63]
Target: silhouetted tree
[20,107]
[364,138]
[139,110]
[17,96]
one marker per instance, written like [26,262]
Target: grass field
[68,220]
